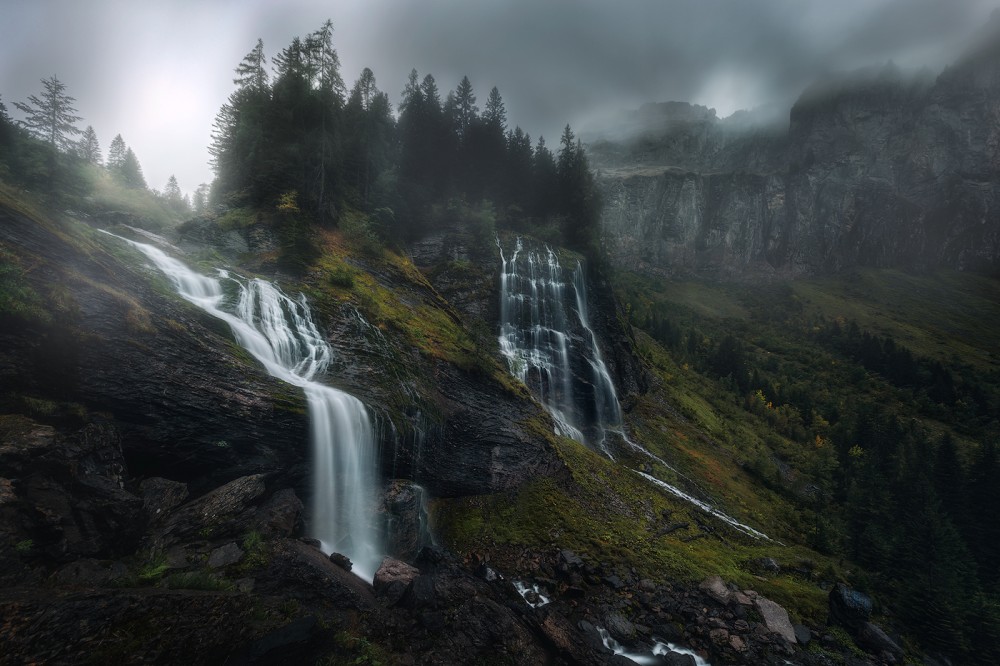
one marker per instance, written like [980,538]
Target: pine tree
[465,107]
[131,173]
[6,126]
[432,98]
[199,202]
[322,62]
[251,73]
[51,118]
[89,148]
[495,115]
[172,192]
[567,152]
[116,154]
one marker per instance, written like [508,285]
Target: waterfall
[557,357]
[545,336]
[280,333]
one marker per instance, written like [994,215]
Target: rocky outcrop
[187,404]
[871,169]
[65,497]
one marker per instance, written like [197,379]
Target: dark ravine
[872,169]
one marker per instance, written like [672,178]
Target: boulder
[224,556]
[716,588]
[619,627]
[65,491]
[281,515]
[227,511]
[672,658]
[160,496]
[848,607]
[295,570]
[871,638]
[776,618]
[342,561]
[406,519]
[393,571]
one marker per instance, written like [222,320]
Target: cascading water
[279,332]
[554,354]
[558,358]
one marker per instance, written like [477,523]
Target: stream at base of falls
[279,332]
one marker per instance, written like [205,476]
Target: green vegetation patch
[612,515]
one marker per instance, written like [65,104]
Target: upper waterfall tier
[546,337]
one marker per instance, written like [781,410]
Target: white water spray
[279,332]
[550,351]
[649,657]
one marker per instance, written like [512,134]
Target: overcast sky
[157,72]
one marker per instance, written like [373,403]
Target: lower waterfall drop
[280,333]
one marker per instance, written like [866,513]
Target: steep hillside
[155,469]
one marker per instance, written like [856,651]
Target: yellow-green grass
[609,513]
[942,315]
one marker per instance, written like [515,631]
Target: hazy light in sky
[157,73]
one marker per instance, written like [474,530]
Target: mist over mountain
[876,167]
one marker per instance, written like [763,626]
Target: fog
[157,73]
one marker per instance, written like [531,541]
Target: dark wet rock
[297,571]
[432,558]
[342,561]
[280,645]
[619,627]
[160,496]
[224,556]
[848,607]
[309,541]
[68,499]
[123,626]
[677,659]
[488,573]
[393,578]
[420,593]
[483,446]
[570,560]
[802,634]
[872,639]
[766,565]
[280,515]
[613,581]
[227,511]
[406,519]
[87,572]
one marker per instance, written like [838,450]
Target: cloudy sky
[158,72]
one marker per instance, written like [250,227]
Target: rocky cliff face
[114,342]
[872,169]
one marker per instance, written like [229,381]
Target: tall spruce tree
[131,173]
[52,116]
[89,148]
[465,109]
[116,154]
